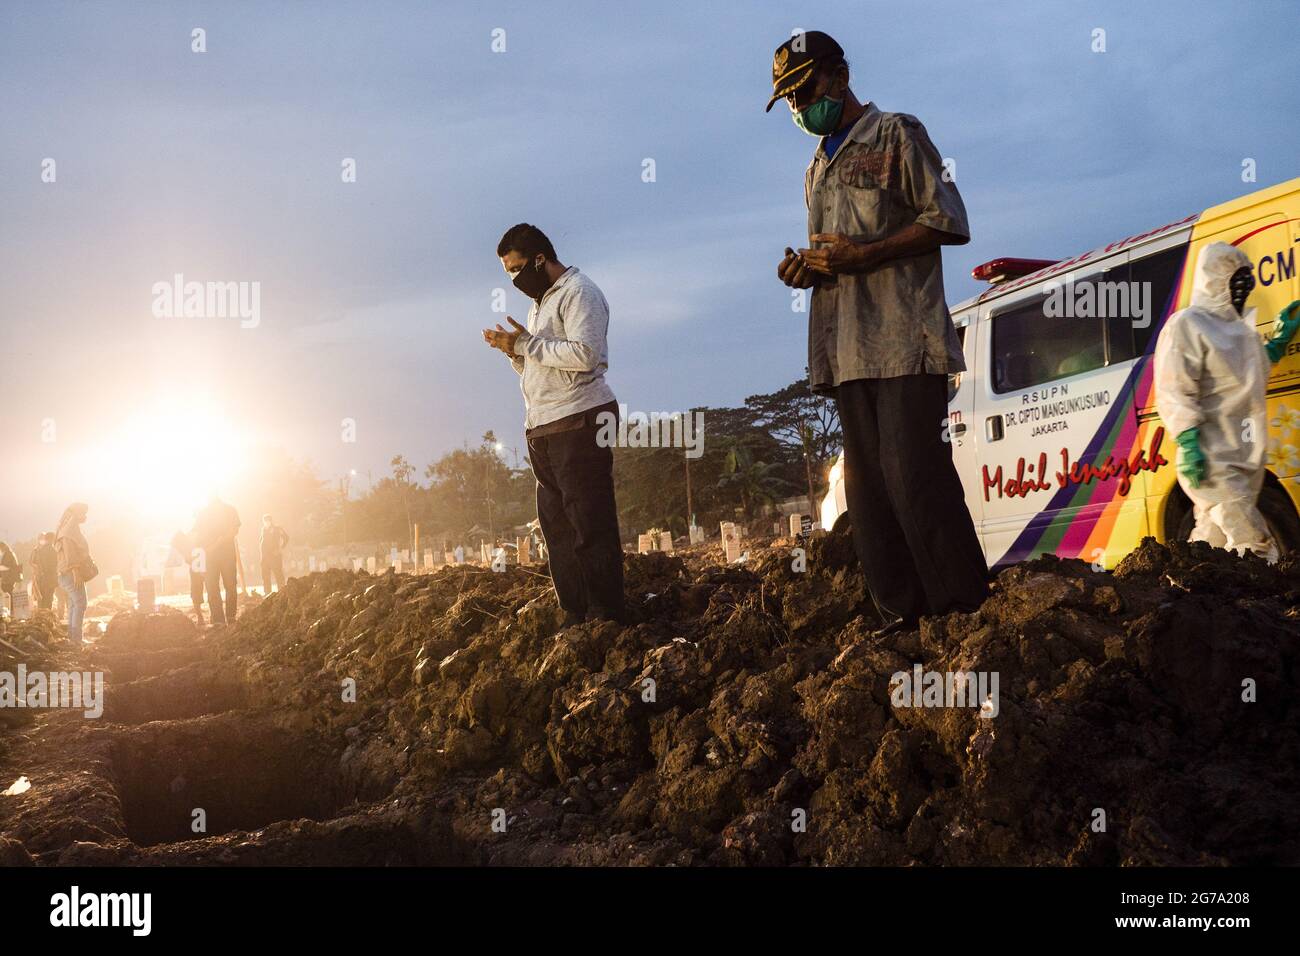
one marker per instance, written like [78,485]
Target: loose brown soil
[746,719]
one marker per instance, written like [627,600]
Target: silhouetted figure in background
[75,566]
[45,571]
[273,541]
[11,572]
[184,545]
[215,531]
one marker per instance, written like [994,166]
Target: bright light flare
[165,464]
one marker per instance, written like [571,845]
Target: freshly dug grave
[183,769]
[1121,706]
[1142,717]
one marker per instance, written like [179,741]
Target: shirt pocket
[864,208]
[863,178]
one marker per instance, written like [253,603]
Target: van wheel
[1279,514]
[842,524]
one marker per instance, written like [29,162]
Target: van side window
[1159,276]
[1121,311]
[954,378]
[1030,347]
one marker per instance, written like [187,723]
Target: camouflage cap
[796,59]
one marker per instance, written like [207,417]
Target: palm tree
[402,471]
[756,482]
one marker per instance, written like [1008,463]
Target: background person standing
[11,572]
[272,544]
[880,338]
[183,545]
[75,565]
[45,571]
[216,530]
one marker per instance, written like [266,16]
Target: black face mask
[532,280]
[1240,286]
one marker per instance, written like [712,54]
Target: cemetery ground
[748,716]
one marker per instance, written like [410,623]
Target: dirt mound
[33,644]
[138,643]
[32,641]
[749,716]
[110,603]
[147,630]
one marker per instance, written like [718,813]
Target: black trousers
[911,529]
[579,520]
[221,568]
[272,568]
[196,591]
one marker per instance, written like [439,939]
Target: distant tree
[275,483]
[402,471]
[756,482]
[803,421]
[751,455]
[474,486]
[452,495]
[650,487]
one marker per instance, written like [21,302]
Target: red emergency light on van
[1000,270]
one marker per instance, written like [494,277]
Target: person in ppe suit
[1211,373]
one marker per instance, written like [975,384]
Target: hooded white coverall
[1211,373]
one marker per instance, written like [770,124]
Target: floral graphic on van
[1282,451]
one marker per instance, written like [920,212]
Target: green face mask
[821,118]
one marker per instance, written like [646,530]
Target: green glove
[1288,321]
[1191,463]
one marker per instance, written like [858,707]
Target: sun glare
[165,464]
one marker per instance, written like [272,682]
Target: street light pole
[690,507]
[487,495]
[345,492]
[497,448]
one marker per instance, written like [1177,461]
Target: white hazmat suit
[1211,373]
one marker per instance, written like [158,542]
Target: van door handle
[993,428]
[957,429]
